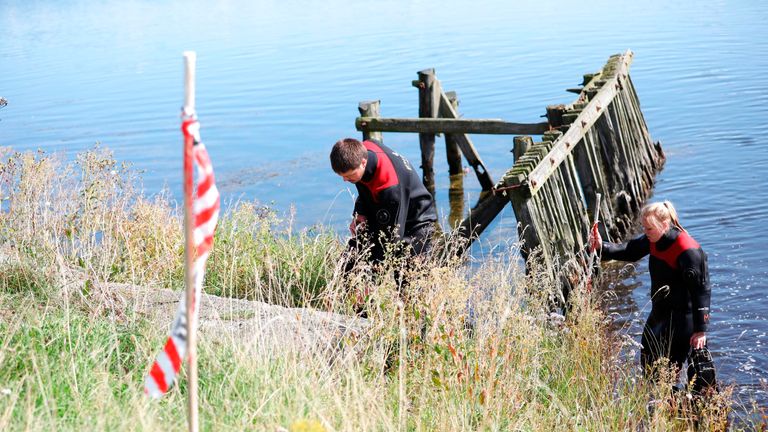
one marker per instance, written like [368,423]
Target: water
[279,82]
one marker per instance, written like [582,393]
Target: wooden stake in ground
[201,214]
[190,58]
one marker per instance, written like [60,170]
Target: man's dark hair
[347,154]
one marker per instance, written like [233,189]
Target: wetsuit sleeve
[396,210]
[361,207]
[363,202]
[631,251]
[693,264]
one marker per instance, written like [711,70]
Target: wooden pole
[455,173]
[428,86]
[521,145]
[452,151]
[190,58]
[555,115]
[371,109]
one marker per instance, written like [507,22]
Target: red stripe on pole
[205,245]
[204,185]
[202,158]
[173,355]
[205,215]
[185,127]
[159,377]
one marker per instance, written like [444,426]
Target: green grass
[72,360]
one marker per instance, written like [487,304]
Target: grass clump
[87,216]
[256,256]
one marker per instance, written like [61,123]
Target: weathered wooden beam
[452,151]
[482,215]
[429,90]
[371,109]
[588,116]
[449,125]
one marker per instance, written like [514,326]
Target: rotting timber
[597,144]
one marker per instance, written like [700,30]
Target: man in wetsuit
[680,292]
[392,202]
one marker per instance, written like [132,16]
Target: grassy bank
[466,350]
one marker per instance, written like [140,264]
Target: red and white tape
[205,214]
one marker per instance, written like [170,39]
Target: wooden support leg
[371,109]
[428,87]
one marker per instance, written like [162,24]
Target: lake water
[279,82]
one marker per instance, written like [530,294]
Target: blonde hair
[660,212]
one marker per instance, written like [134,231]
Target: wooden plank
[449,125]
[589,115]
[577,201]
[542,228]
[482,215]
[529,229]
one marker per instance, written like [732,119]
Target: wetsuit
[680,292]
[394,201]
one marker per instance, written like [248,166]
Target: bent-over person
[392,202]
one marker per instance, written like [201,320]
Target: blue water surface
[279,82]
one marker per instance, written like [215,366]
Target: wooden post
[555,115]
[371,109]
[455,173]
[452,151]
[521,145]
[190,58]
[428,87]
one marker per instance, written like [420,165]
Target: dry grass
[456,348]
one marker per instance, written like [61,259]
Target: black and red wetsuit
[680,292]
[394,200]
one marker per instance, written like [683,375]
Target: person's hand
[358,223]
[698,340]
[595,240]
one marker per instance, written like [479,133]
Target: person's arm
[393,213]
[693,264]
[631,251]
[360,214]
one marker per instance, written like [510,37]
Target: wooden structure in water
[597,144]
